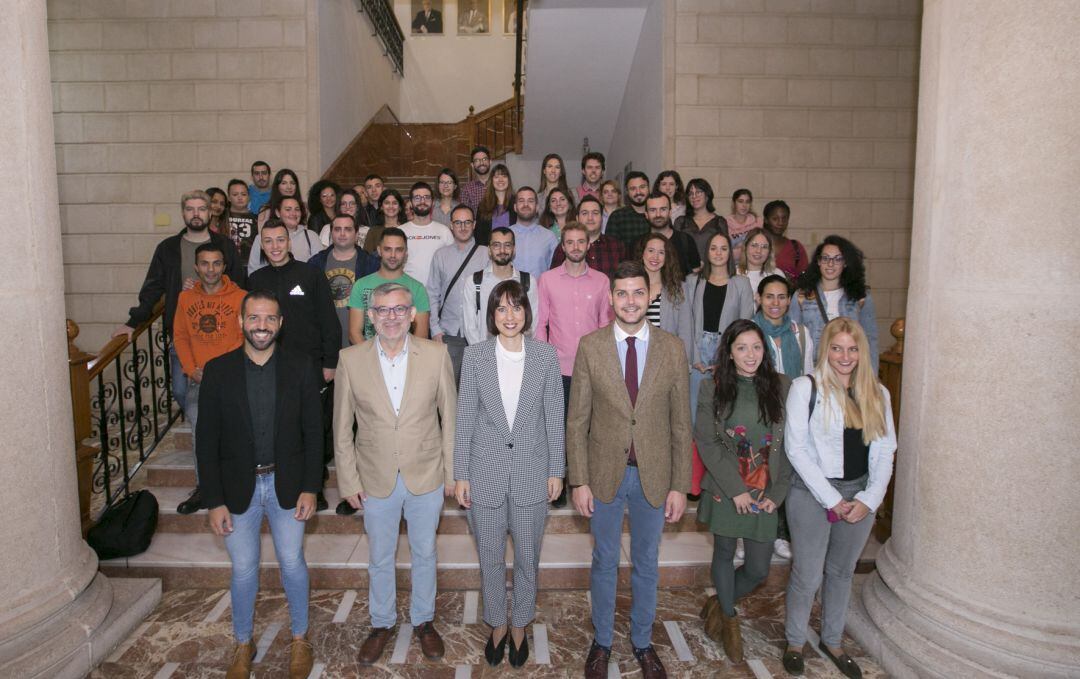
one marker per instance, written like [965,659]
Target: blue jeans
[646,526]
[191,414]
[707,346]
[243,545]
[179,379]
[382,518]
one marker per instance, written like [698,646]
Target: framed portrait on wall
[474,17]
[427,17]
[510,17]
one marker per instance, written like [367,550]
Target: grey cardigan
[673,319]
[739,303]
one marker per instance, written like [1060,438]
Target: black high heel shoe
[518,656]
[492,653]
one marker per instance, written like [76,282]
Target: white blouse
[510,365]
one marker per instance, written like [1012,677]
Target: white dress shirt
[393,372]
[641,346]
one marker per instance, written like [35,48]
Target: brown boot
[710,604]
[431,644]
[714,623]
[301,658]
[372,648]
[731,637]
[241,662]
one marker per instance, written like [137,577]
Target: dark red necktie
[630,377]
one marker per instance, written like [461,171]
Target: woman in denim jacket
[835,285]
[840,442]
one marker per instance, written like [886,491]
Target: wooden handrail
[115,346]
[891,374]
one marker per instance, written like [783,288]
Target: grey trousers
[733,583]
[191,414]
[823,555]
[526,526]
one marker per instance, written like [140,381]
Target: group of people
[499,346]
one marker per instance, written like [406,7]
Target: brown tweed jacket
[601,422]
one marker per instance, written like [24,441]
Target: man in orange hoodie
[205,327]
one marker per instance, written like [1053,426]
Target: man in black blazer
[259,451]
[427,20]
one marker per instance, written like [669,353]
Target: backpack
[478,278]
[126,528]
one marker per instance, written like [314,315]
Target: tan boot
[714,623]
[731,637]
[301,658]
[710,603]
[241,662]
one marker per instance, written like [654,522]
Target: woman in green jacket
[739,431]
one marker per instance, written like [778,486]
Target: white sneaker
[740,551]
[782,548]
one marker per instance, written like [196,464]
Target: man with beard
[369,212]
[305,300]
[399,392]
[472,192]
[658,211]
[474,296]
[303,243]
[205,327]
[604,252]
[625,450]
[259,452]
[425,236]
[628,223]
[172,269]
[393,251]
[259,190]
[534,244]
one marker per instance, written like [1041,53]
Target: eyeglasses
[765,246]
[502,246]
[421,199]
[838,259]
[462,222]
[385,311]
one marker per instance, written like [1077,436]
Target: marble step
[454,520]
[339,561]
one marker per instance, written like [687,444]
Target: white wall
[446,74]
[355,78]
[638,134]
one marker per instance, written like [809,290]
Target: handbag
[126,528]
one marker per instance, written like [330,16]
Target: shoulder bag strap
[813,396]
[821,305]
[457,275]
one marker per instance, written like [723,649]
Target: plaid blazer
[499,462]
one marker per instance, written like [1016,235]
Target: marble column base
[75,639]
[913,632]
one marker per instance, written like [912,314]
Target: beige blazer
[413,443]
[602,423]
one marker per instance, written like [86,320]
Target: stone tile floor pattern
[189,636]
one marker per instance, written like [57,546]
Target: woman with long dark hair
[552,176]
[670,184]
[322,199]
[666,294]
[219,211]
[559,210]
[448,196]
[740,437]
[285,184]
[840,441]
[497,206]
[391,208]
[834,285]
[348,203]
[700,220]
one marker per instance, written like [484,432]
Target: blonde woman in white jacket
[840,441]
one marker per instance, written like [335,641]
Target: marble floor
[189,635]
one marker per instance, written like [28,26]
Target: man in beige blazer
[628,445]
[399,391]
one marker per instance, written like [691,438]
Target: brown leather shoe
[731,637]
[431,644]
[301,658]
[596,664]
[372,648]
[651,667]
[710,605]
[241,662]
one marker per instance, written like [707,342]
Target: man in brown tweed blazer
[628,445]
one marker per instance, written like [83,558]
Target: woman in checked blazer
[509,459]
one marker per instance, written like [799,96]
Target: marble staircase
[185,554]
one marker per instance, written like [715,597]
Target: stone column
[57,614]
[981,576]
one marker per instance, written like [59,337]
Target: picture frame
[426,17]
[474,17]
[509,17]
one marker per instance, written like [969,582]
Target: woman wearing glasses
[835,285]
[448,196]
[509,460]
[757,258]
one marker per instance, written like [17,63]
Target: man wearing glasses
[393,251]
[401,460]
[425,236]
[475,292]
[451,269]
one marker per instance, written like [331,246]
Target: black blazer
[225,444]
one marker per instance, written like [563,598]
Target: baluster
[137,418]
[153,384]
[123,423]
[103,435]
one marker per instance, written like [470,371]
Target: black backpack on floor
[126,528]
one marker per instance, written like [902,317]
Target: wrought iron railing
[388,30]
[123,407]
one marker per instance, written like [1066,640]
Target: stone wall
[156,97]
[811,101]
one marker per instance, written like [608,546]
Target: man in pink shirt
[573,301]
